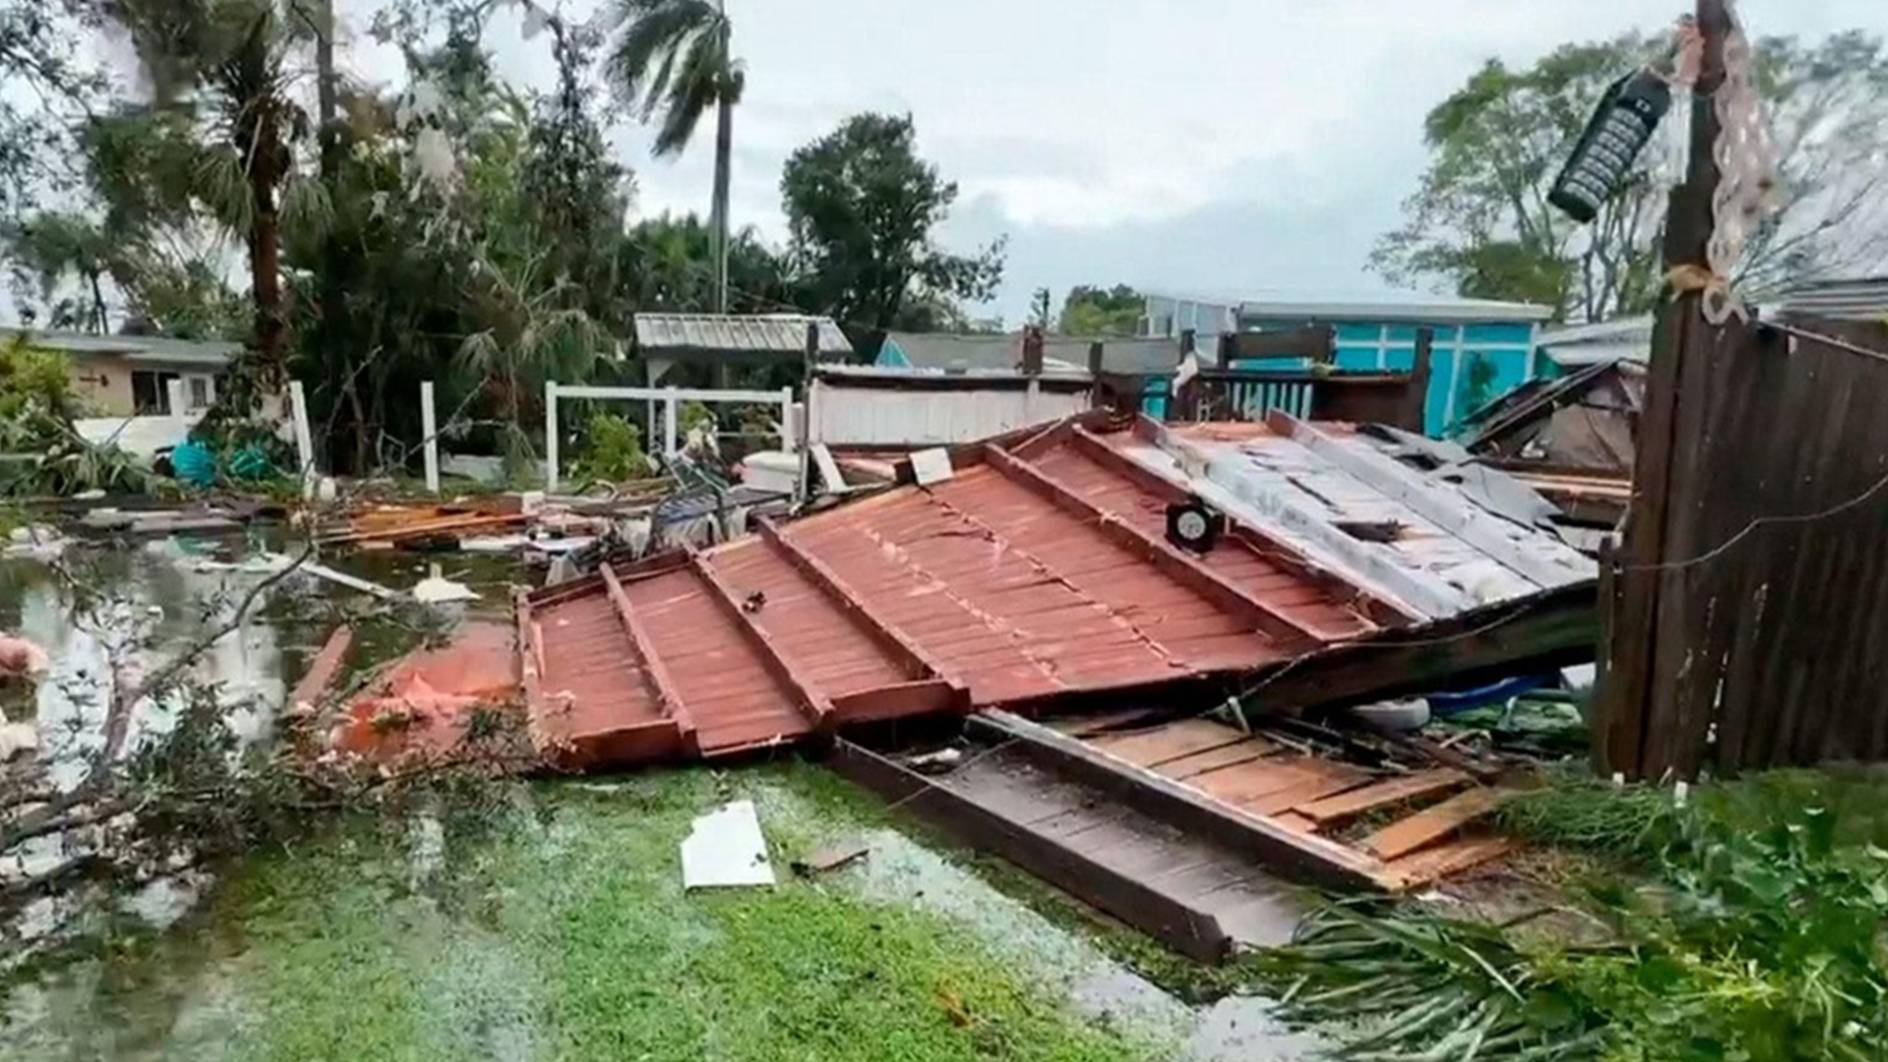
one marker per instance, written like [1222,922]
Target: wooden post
[550,436]
[1228,347]
[1630,735]
[1032,351]
[1416,392]
[429,429]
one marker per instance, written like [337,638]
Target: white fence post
[787,439]
[550,435]
[429,426]
[304,438]
[668,424]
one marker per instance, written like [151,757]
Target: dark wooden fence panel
[1756,633]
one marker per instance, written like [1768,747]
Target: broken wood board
[1347,806]
[1432,824]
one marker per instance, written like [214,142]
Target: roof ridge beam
[808,697]
[655,672]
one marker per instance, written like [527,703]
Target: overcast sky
[1216,145]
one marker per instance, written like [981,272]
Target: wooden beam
[812,701]
[321,670]
[1307,857]
[530,656]
[1270,548]
[1627,742]
[916,660]
[1170,559]
[1188,930]
[661,683]
[1556,628]
[1456,516]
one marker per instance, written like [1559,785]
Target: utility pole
[1630,579]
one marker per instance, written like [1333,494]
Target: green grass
[557,928]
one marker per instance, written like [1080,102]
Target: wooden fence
[1748,618]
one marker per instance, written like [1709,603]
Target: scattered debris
[16,738]
[942,761]
[725,849]
[436,589]
[831,856]
[352,582]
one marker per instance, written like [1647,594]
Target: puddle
[147,602]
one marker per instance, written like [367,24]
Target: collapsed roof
[1041,570]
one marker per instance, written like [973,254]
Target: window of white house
[199,392]
[150,392]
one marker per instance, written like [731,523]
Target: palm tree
[675,56]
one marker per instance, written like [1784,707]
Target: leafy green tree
[227,65]
[676,57]
[576,193]
[41,77]
[1480,219]
[1093,311]
[861,206]
[665,264]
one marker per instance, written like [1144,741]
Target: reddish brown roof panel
[1036,572]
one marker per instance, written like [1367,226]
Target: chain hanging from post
[1746,162]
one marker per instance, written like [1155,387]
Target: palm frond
[697,88]
[307,211]
[654,32]
[223,186]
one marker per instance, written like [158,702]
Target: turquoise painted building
[1482,350]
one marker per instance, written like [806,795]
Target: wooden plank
[1090,725]
[1433,864]
[1432,824]
[1335,778]
[322,670]
[530,653]
[1270,548]
[1173,741]
[1455,516]
[1175,563]
[1217,759]
[1346,806]
[1309,857]
[811,700]
[1192,932]
[661,683]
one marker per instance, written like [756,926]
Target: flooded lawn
[551,923]
[540,920]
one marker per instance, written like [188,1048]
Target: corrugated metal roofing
[1860,299]
[1038,571]
[771,335]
